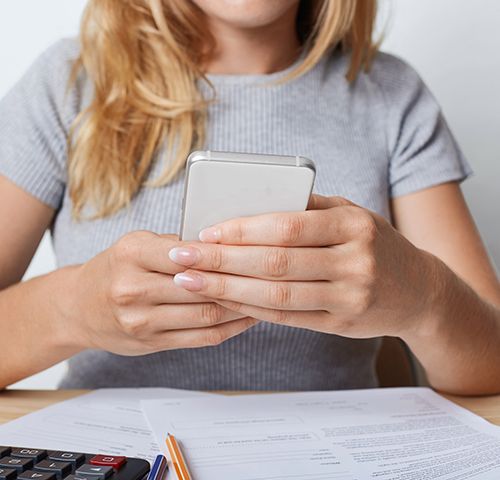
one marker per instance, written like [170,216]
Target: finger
[311,320]
[156,289]
[261,262]
[147,250]
[253,291]
[320,202]
[297,229]
[184,316]
[201,337]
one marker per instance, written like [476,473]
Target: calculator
[20,463]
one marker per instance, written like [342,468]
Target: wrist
[68,326]
[438,285]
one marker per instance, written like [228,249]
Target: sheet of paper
[104,421]
[383,434]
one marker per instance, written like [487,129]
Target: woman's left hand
[335,268]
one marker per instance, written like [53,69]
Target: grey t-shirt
[382,137]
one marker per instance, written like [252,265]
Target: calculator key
[20,464]
[4,451]
[79,477]
[61,469]
[31,475]
[115,462]
[36,455]
[7,474]
[94,471]
[75,458]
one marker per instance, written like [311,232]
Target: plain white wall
[452,44]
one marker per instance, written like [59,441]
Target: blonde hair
[144,59]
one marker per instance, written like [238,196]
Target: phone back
[220,186]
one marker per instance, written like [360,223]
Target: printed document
[383,434]
[108,421]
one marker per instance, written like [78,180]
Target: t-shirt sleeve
[423,152]
[34,122]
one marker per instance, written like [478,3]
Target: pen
[158,469]
[178,461]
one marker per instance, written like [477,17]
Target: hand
[125,302]
[336,268]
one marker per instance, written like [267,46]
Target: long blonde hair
[145,58]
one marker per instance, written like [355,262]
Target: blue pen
[159,468]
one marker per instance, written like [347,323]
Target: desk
[16,403]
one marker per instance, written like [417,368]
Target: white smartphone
[221,185]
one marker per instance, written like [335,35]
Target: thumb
[320,202]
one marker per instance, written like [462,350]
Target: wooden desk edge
[16,403]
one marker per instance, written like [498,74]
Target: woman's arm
[23,221]
[123,300]
[459,342]
[33,337]
[341,269]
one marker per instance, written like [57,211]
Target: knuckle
[234,306]
[124,293]
[211,314]
[220,286]
[239,234]
[152,344]
[214,336]
[344,325]
[366,269]
[280,295]
[134,325]
[249,322]
[216,259]
[281,317]
[367,226]
[277,262]
[290,229]
[115,293]
[362,300]
[129,246]
[233,231]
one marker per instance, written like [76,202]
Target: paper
[108,421]
[389,434]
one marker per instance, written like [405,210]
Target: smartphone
[222,185]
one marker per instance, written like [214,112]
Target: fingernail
[210,235]
[189,281]
[184,255]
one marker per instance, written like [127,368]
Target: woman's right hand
[125,301]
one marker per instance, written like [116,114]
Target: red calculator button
[115,462]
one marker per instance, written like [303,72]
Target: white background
[453,44]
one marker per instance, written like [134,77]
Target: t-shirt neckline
[253,78]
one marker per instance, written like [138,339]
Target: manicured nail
[189,281]
[210,235]
[184,255]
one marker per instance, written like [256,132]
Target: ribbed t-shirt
[381,137]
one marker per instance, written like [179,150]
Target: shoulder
[55,67]
[62,51]
[401,87]
[35,118]
[389,79]
[49,82]
[51,71]
[394,83]
[394,76]
[391,69]
[56,62]
[46,97]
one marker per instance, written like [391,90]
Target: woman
[93,142]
